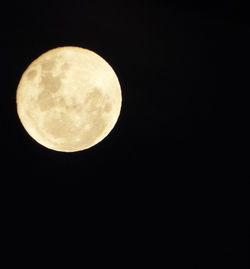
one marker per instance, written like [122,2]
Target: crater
[93,101]
[61,101]
[62,126]
[76,106]
[71,136]
[31,74]
[95,122]
[92,131]
[65,67]
[107,107]
[50,83]
[72,105]
[65,125]
[45,101]
[48,65]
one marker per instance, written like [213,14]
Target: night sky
[173,60]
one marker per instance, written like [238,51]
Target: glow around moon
[69,99]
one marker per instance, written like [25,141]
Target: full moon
[69,99]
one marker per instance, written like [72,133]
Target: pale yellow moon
[69,99]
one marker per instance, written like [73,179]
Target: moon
[69,99]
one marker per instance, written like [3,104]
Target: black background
[174,62]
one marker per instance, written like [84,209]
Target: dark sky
[174,62]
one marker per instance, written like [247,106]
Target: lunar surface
[69,99]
